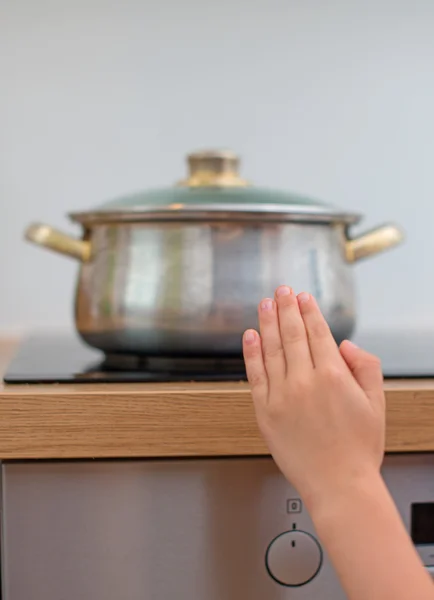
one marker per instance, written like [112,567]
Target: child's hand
[321,411]
[320,408]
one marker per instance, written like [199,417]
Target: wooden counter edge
[169,420]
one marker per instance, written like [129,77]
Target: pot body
[192,288]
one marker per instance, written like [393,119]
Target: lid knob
[213,168]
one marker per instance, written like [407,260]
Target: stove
[66,359]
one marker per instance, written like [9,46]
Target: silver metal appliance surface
[223,529]
[182,270]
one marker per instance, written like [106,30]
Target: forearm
[363,534]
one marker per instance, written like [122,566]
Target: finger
[365,367]
[323,347]
[255,368]
[292,331]
[272,349]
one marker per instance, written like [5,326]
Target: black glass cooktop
[65,359]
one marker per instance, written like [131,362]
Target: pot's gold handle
[46,236]
[373,242]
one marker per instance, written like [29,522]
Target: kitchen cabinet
[213,521]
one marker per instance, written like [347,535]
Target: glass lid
[214,190]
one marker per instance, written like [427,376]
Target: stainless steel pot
[180,271]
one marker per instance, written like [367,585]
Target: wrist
[329,502]
[365,538]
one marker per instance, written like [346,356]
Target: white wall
[101,97]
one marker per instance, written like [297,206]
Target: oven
[193,529]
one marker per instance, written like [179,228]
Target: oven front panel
[223,529]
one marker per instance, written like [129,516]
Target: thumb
[365,367]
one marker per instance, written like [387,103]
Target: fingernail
[283,290]
[303,297]
[266,304]
[249,336]
[350,343]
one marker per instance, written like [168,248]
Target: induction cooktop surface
[65,359]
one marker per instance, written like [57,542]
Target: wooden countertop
[166,420]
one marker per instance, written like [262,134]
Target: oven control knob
[293,558]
